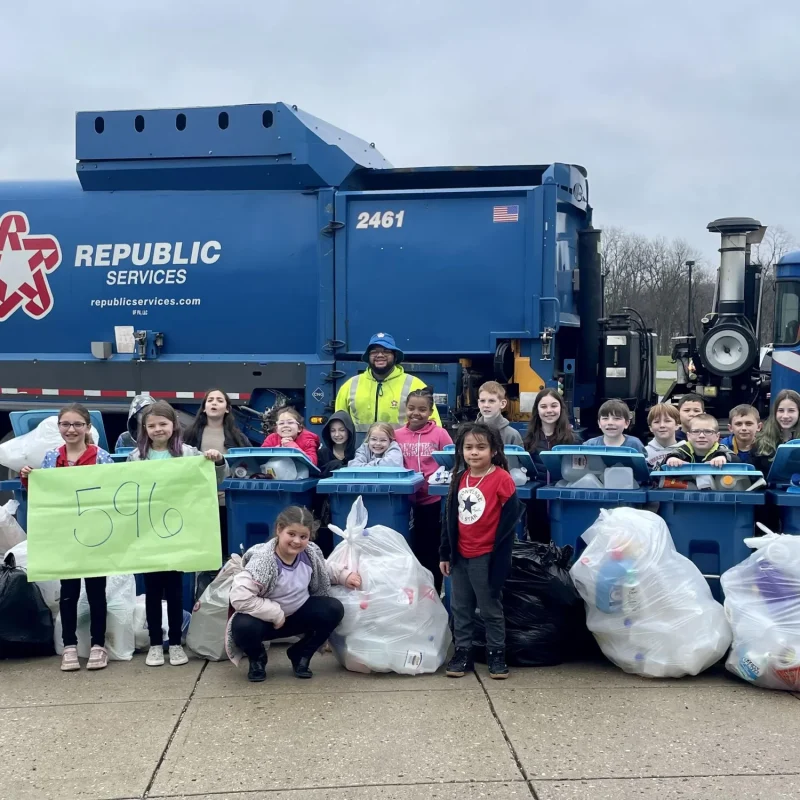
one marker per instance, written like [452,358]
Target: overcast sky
[681,113]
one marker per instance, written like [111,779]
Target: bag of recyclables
[649,608]
[762,602]
[29,449]
[395,622]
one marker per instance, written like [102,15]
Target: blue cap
[385,340]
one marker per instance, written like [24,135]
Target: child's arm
[273,440]
[244,599]
[309,447]
[515,436]
[393,457]
[343,576]
[48,462]
[103,457]
[361,458]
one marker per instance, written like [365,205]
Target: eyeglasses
[65,426]
[702,432]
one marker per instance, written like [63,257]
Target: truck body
[257,248]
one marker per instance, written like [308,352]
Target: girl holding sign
[78,450]
[160,438]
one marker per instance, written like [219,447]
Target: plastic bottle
[619,477]
[732,483]
[617,587]
[573,468]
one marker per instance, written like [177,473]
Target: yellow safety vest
[367,400]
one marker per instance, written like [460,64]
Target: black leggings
[160,586]
[316,620]
[426,535]
[68,605]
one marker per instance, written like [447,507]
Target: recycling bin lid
[785,464]
[611,456]
[517,456]
[398,475]
[693,470]
[241,453]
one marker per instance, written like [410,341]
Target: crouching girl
[283,591]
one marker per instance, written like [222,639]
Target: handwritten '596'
[176,518]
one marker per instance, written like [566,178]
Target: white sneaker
[177,656]
[155,656]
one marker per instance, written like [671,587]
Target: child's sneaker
[177,656]
[496,659]
[155,656]
[98,658]
[460,664]
[69,659]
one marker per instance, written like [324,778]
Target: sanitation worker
[379,394]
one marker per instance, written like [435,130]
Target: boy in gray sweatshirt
[492,401]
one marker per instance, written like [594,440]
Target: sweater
[630,441]
[364,457]
[328,463]
[500,561]
[417,447]
[306,441]
[508,434]
[58,458]
[657,454]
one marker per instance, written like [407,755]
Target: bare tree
[777,243]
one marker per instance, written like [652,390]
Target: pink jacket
[417,447]
[307,441]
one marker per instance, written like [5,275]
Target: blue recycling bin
[517,456]
[253,504]
[386,492]
[708,527]
[23,422]
[574,510]
[21,496]
[784,482]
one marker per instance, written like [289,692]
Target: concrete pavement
[561,733]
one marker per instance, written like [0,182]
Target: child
[689,406]
[338,443]
[492,401]
[663,420]
[290,432]
[160,438]
[744,422]
[782,425]
[215,429]
[138,405]
[379,449]
[481,514]
[418,438]
[614,417]
[283,591]
[702,446]
[78,450]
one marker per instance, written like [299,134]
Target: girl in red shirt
[482,512]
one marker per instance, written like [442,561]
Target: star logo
[471,505]
[25,261]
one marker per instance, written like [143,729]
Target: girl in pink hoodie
[418,438]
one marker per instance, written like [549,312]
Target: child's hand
[279,623]
[444,566]
[675,462]
[287,441]
[719,461]
[25,471]
[353,581]
[213,455]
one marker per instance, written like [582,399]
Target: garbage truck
[257,248]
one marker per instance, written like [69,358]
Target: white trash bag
[142,634]
[396,621]
[11,532]
[29,449]
[120,637]
[51,590]
[649,608]
[206,637]
[762,603]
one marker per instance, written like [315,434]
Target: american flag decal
[505,214]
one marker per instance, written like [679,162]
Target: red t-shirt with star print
[479,508]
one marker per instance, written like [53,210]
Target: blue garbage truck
[258,248]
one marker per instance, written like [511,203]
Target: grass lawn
[662,386]
[665,362]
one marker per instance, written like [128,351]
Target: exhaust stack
[733,256]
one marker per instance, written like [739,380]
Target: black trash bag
[545,618]
[26,624]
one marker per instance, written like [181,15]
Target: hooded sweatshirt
[139,403]
[364,457]
[508,434]
[417,447]
[657,453]
[328,462]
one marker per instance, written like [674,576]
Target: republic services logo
[25,260]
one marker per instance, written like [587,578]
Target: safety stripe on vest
[361,427]
[407,384]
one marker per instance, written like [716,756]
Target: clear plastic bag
[206,636]
[649,608]
[29,449]
[120,603]
[396,621]
[762,603]
[11,532]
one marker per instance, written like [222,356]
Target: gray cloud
[680,113]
